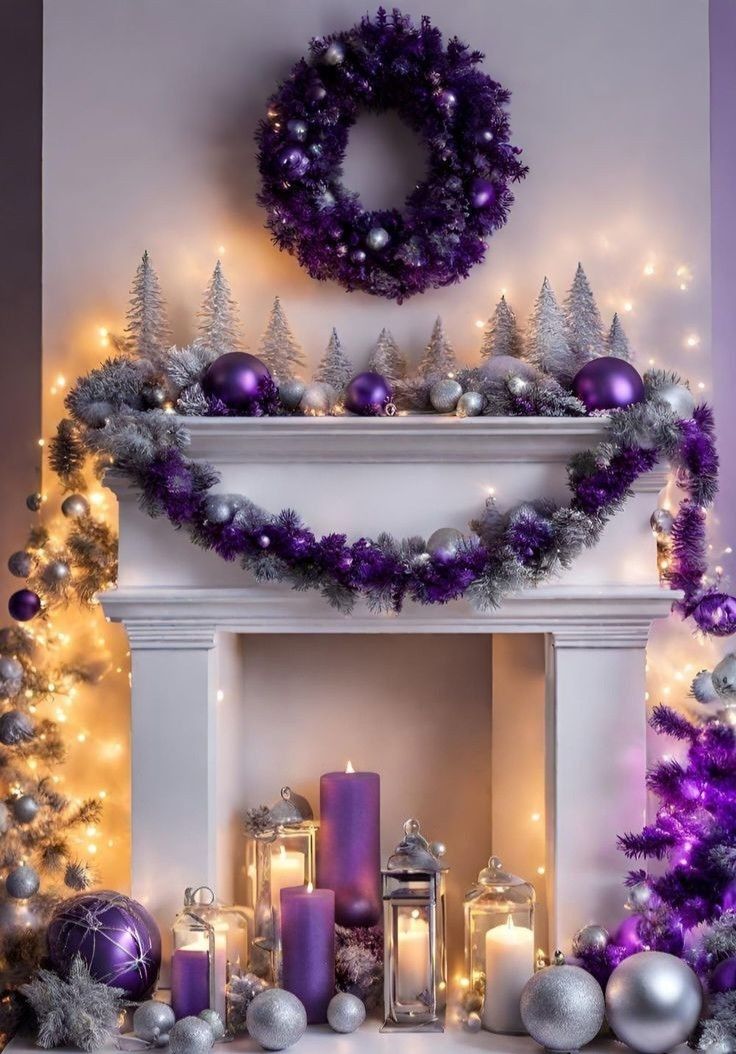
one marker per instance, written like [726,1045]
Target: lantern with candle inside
[499,945]
[415,958]
[199,956]
[279,853]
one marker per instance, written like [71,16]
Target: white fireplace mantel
[183,608]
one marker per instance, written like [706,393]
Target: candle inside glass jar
[412,971]
[287,869]
[509,965]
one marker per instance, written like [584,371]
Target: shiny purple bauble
[115,936]
[728,899]
[24,605]
[368,394]
[608,383]
[716,615]
[628,934]
[482,193]
[293,162]
[723,978]
[237,379]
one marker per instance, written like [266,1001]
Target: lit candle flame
[509,923]
[310,887]
[349,767]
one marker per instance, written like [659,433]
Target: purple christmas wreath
[457,111]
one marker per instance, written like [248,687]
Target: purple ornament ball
[237,379]
[368,395]
[723,978]
[628,934]
[24,605]
[293,162]
[482,193]
[115,936]
[608,383]
[728,899]
[716,615]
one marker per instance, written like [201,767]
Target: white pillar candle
[287,869]
[412,974]
[509,965]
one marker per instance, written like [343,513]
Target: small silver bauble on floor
[213,1019]
[589,939]
[444,395]
[190,1036]
[562,1007]
[276,1019]
[653,1002]
[152,1020]
[345,1012]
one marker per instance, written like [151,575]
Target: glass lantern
[415,957]
[279,852]
[199,968]
[499,946]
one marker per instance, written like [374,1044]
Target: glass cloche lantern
[415,958]
[499,945]
[199,955]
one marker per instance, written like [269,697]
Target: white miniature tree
[547,345]
[219,324]
[617,343]
[584,325]
[278,348]
[335,368]
[386,358]
[439,357]
[147,328]
[502,336]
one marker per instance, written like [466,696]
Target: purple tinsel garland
[459,113]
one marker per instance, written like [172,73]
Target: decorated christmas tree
[278,348]
[502,336]
[218,329]
[547,345]
[386,358]
[617,343]
[584,326]
[335,368]
[147,329]
[439,357]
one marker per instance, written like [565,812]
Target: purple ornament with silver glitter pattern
[116,937]
[608,383]
[24,605]
[716,615]
[368,395]
[236,379]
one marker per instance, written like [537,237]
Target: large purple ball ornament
[716,615]
[368,395]
[723,978]
[628,935]
[608,383]
[293,162]
[728,898]
[115,936]
[237,379]
[482,193]
[24,605]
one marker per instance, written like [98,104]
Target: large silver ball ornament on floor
[653,1002]
[276,1019]
[153,1019]
[190,1036]
[345,1012]
[562,1007]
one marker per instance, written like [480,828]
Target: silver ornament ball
[213,1019]
[34,502]
[297,129]
[74,506]
[55,572]
[444,395]
[444,542]
[153,1020]
[334,54]
[291,392]
[318,398]
[276,1019]
[11,677]
[218,509]
[661,521]
[678,397]
[702,688]
[724,675]
[562,1007]
[589,939]
[4,817]
[25,809]
[653,1002]
[640,896]
[473,1022]
[345,1012]
[22,882]
[190,1036]
[723,1045]
[503,367]
[15,727]
[20,564]
[470,404]
[377,239]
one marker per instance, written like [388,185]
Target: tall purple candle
[190,985]
[349,845]
[308,947]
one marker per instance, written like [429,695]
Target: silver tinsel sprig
[77,1010]
[718,1030]
[184,366]
[113,387]
[719,942]
[258,820]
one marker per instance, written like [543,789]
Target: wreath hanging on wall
[381,64]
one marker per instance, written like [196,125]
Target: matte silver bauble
[589,939]
[25,809]
[55,572]
[291,392]
[473,1022]
[724,675]
[276,1019]
[702,689]
[470,404]
[74,506]
[504,367]
[678,397]
[444,395]
[444,542]
[218,509]
[11,677]
[190,1036]
[661,521]
[20,564]
[345,1012]
[152,1020]
[653,1002]
[15,727]
[335,54]
[34,502]
[213,1019]
[562,1007]
[318,398]
[22,882]
[640,896]
[377,238]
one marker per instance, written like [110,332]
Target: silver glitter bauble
[473,1022]
[15,727]
[589,939]
[11,677]
[470,404]
[20,564]
[34,502]
[345,1012]
[444,542]
[25,809]
[291,392]
[55,571]
[562,1007]
[377,238]
[4,817]
[640,896]
[276,1019]
[678,397]
[724,675]
[213,1019]
[702,689]
[653,1002]
[74,506]
[318,398]
[22,882]
[335,54]
[152,1020]
[190,1036]
[444,395]
[218,509]
[661,521]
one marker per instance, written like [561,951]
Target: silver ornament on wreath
[662,521]
[4,817]
[345,1012]
[11,677]
[724,676]
[562,1007]
[702,688]
[444,395]
[153,1020]
[34,502]
[75,506]
[25,809]
[20,564]
[291,392]
[653,1002]
[190,1035]
[218,508]
[22,882]
[678,397]
[640,897]
[444,542]
[377,238]
[276,1019]
[470,404]
[590,939]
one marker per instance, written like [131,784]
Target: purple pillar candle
[308,947]
[349,845]
[190,984]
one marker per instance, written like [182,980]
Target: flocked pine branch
[76,1011]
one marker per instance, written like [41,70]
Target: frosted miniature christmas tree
[501,336]
[387,359]
[278,348]
[335,368]
[439,358]
[617,343]
[547,345]
[219,325]
[584,326]
[147,328]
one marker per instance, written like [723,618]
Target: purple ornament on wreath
[238,380]
[716,615]
[628,934]
[608,383]
[115,936]
[24,605]
[723,978]
[368,395]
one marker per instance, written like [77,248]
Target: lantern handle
[190,896]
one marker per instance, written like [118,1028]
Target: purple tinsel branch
[607,485]
[668,722]
[697,457]
[688,563]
